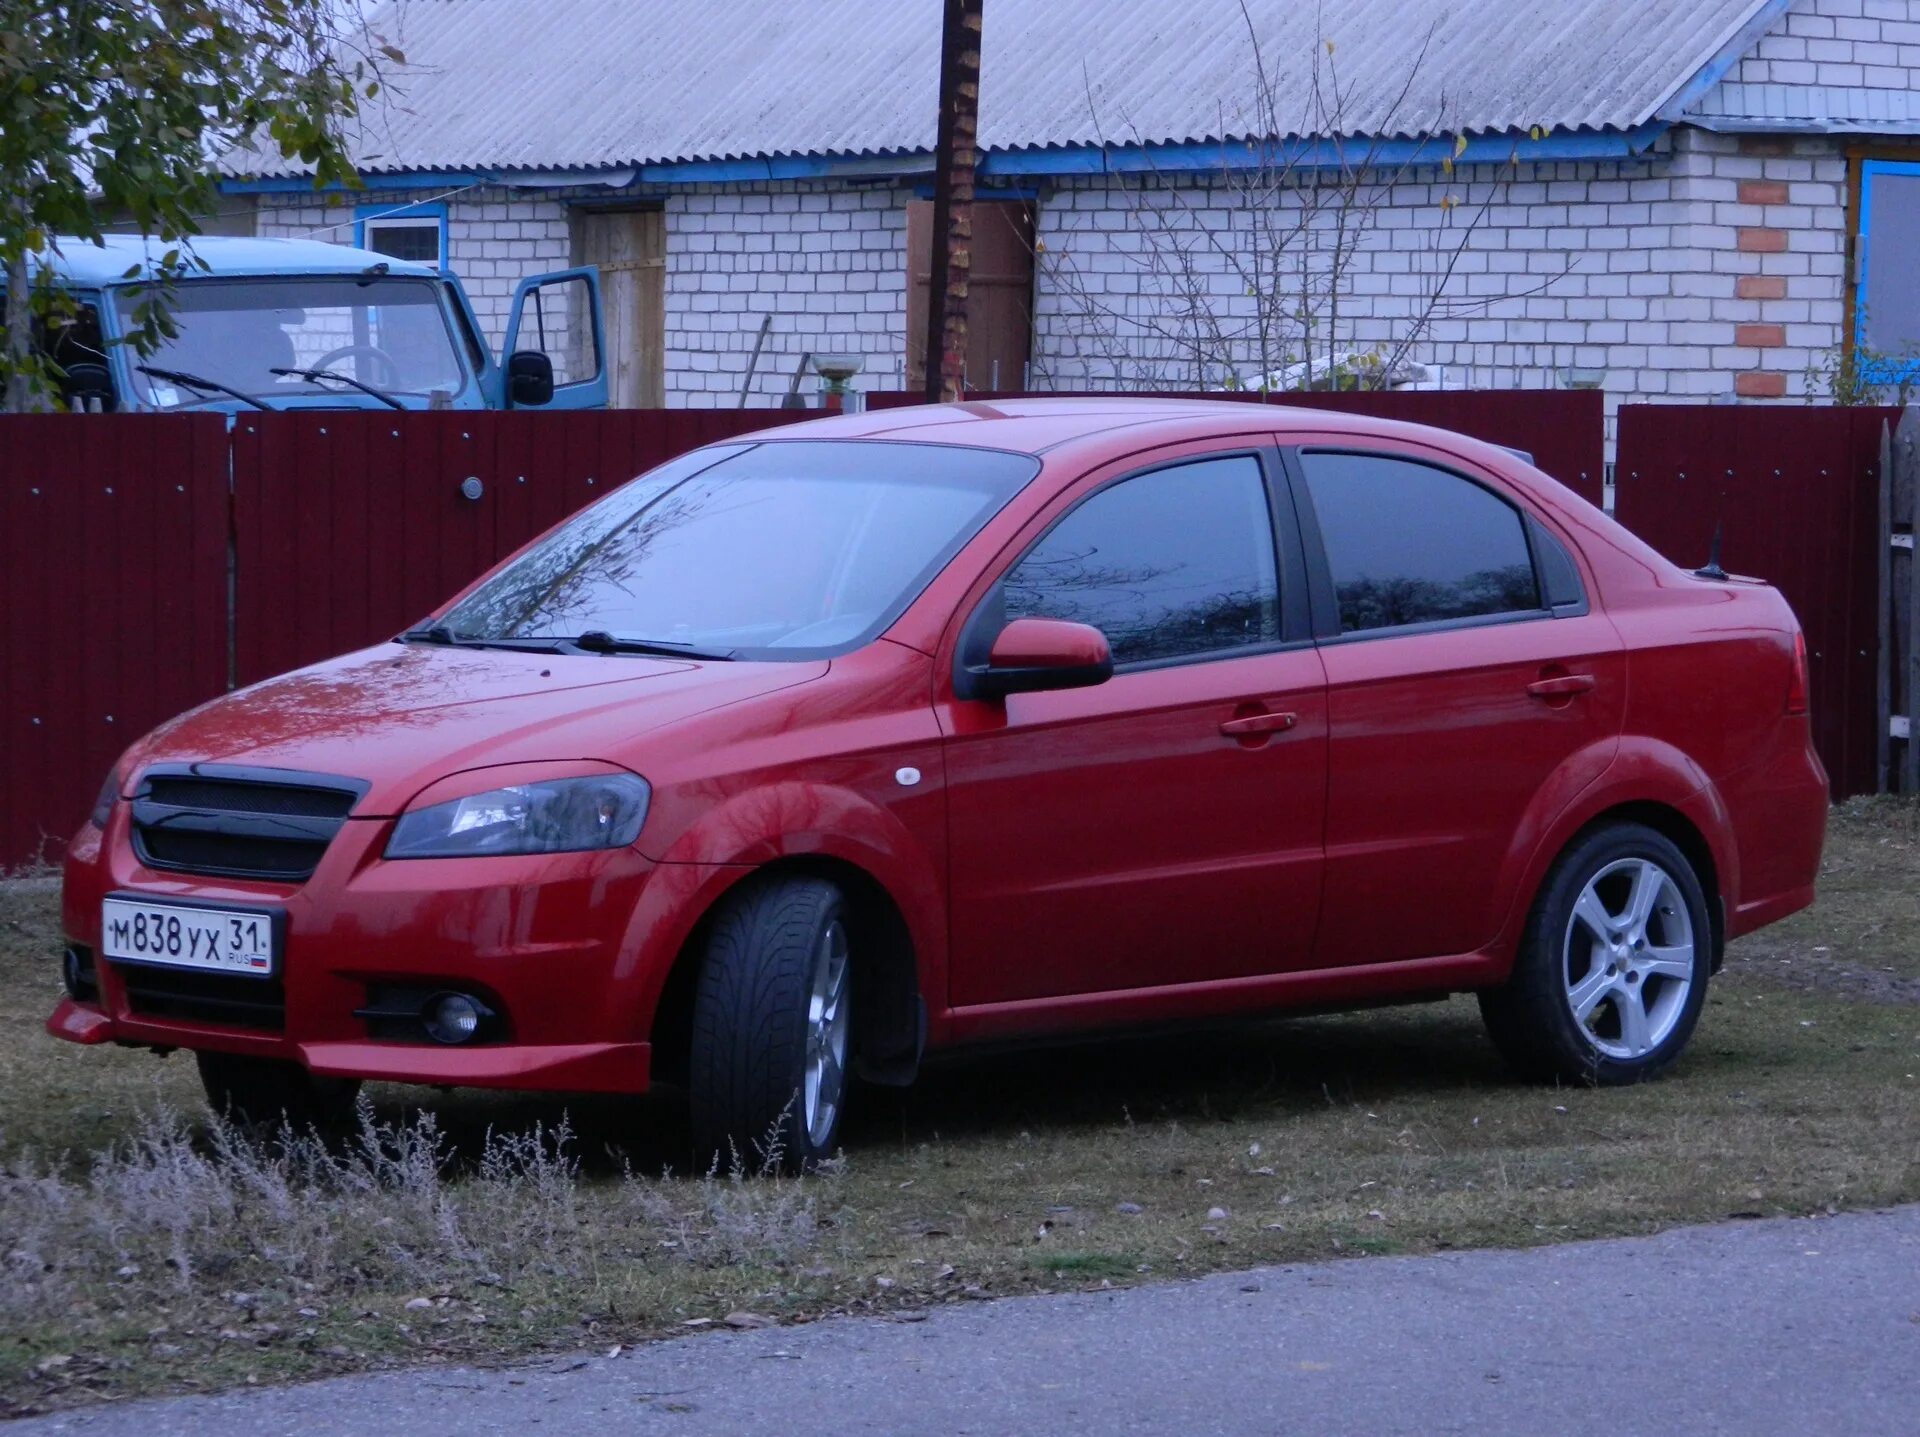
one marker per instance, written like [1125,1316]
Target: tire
[1619,932]
[265,1092]
[768,1071]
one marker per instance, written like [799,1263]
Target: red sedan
[799,757]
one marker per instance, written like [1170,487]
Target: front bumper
[550,941]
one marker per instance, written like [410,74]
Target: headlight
[103,805]
[559,815]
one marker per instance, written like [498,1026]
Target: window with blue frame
[1886,271]
[409,232]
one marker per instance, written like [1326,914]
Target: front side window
[390,333]
[1172,563]
[1410,544]
[781,550]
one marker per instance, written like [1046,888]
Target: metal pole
[951,240]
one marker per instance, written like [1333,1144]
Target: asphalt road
[1749,1328]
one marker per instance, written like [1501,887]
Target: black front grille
[223,998]
[232,822]
[186,791]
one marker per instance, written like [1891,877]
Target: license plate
[178,935]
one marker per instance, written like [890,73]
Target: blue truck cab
[300,324]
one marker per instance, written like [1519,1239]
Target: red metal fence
[1562,429]
[118,538]
[1795,491]
[113,602]
[350,526]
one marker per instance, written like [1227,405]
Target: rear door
[1162,828]
[1466,672]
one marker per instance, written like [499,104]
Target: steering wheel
[390,378]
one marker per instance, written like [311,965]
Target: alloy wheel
[827,1027]
[1629,958]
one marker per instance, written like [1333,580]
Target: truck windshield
[389,333]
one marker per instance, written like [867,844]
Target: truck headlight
[560,815]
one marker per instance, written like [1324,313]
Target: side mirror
[1035,655]
[529,378]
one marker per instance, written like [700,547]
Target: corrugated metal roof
[580,84]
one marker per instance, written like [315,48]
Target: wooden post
[955,156]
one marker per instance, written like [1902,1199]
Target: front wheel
[772,1023]
[1612,970]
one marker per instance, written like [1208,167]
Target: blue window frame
[1886,272]
[414,232]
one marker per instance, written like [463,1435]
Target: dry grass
[144,1253]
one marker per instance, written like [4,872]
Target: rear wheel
[259,1092]
[772,1027]
[1612,970]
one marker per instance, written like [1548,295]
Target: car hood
[400,717]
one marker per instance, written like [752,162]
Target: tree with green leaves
[118,107]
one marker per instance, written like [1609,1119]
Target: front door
[1468,681]
[629,249]
[1162,828]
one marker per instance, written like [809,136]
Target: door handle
[1258,723]
[1564,686]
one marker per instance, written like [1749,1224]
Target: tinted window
[1179,561]
[771,551]
[1409,544]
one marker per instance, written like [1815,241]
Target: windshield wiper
[447,638]
[594,641]
[431,634]
[599,641]
[205,386]
[316,375]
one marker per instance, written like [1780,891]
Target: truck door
[555,347]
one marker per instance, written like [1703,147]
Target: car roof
[1084,427]
[82,263]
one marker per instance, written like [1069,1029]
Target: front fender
[763,826]
[1642,770]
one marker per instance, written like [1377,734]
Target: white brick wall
[828,263]
[1631,270]
[1874,44]
[495,237]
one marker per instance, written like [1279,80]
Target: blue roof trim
[1064,160]
[302,185]
[1695,89]
[1321,154]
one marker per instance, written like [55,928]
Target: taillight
[1797,684]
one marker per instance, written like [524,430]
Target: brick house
[1661,197]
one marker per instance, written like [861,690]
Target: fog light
[453,1017]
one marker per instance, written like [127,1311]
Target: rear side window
[1411,544]
[1172,563]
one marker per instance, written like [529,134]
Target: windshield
[389,333]
[779,550]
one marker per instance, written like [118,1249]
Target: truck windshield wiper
[316,375]
[599,641]
[205,386]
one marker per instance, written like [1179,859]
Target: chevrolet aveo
[800,757]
